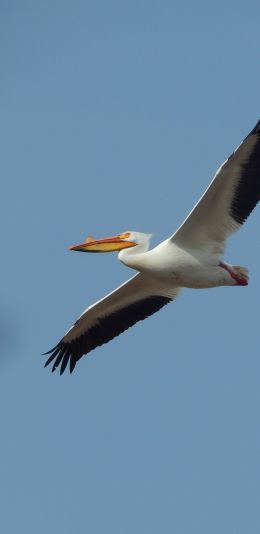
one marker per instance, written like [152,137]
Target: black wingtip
[51,351]
[256,129]
[65,360]
[73,361]
[53,355]
[60,355]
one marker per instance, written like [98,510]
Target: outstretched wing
[133,301]
[228,201]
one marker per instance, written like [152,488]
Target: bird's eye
[125,235]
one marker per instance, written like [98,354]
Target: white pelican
[189,258]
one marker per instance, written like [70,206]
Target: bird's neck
[133,257]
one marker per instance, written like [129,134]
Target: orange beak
[108,244]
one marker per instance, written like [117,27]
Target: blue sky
[114,116]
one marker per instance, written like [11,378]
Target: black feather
[247,193]
[106,329]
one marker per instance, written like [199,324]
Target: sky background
[115,116]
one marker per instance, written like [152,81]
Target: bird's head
[118,242]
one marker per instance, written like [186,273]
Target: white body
[175,266]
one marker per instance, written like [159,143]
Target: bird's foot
[238,273]
[241,275]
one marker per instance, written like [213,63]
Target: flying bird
[191,257]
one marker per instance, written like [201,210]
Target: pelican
[191,257]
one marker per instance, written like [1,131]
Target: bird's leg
[238,273]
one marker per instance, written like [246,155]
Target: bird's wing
[133,301]
[228,201]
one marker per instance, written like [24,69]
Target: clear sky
[114,116]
